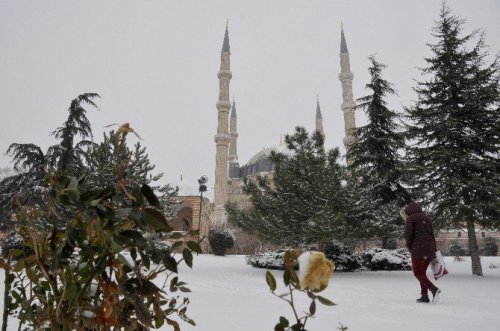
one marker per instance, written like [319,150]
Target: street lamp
[202,181]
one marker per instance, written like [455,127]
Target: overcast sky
[155,65]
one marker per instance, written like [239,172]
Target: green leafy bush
[220,241]
[95,273]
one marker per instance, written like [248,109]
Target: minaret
[319,118]
[346,77]
[234,167]
[222,138]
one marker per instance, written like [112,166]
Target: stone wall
[188,213]
[445,238]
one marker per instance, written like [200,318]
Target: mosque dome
[265,153]
[260,162]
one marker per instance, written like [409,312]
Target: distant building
[444,238]
[192,213]
[229,175]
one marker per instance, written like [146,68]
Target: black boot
[423,299]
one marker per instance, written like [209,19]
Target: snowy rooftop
[185,188]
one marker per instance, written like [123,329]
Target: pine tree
[67,156]
[5,219]
[454,132]
[101,162]
[376,168]
[77,155]
[29,186]
[304,203]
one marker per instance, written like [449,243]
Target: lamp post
[202,188]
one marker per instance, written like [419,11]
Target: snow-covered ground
[229,295]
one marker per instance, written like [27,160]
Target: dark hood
[413,208]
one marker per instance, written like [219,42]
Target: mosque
[229,174]
[197,212]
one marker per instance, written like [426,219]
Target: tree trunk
[474,249]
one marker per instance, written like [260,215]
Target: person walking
[421,243]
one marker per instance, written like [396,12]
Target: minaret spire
[233,108]
[343,44]
[234,166]
[225,44]
[348,105]
[222,138]
[319,117]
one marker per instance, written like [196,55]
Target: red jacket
[419,234]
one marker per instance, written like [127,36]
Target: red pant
[419,267]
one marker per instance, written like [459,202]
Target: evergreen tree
[76,155]
[136,169]
[100,162]
[375,165]
[29,186]
[67,156]
[454,132]
[303,204]
[5,220]
[5,172]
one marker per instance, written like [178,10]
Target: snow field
[229,295]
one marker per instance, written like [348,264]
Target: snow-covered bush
[490,247]
[457,249]
[386,259]
[342,257]
[220,241]
[268,260]
[389,243]
[157,250]
[13,241]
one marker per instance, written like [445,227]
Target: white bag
[438,267]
